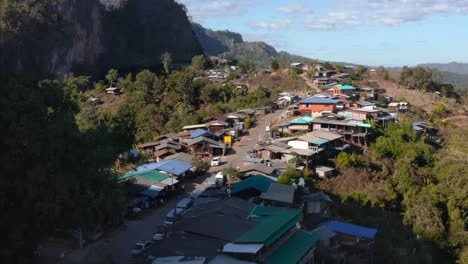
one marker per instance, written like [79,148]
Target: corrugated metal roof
[170,181]
[175,167]
[194,126]
[185,157]
[301,120]
[346,87]
[324,232]
[242,248]
[350,229]
[153,191]
[294,249]
[259,167]
[271,228]
[319,141]
[279,192]
[199,133]
[258,182]
[318,100]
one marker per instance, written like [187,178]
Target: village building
[113,91]
[206,147]
[318,204]
[185,157]
[315,106]
[343,89]
[324,171]
[324,73]
[280,195]
[258,169]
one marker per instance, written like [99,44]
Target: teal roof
[294,249]
[346,87]
[359,124]
[258,182]
[271,228]
[154,175]
[285,124]
[319,141]
[302,120]
[266,210]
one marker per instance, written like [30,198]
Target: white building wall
[299,144]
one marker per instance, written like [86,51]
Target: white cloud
[292,9]
[333,20]
[271,24]
[202,9]
[349,13]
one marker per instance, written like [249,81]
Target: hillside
[426,101]
[91,36]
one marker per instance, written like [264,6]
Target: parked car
[141,246]
[161,233]
[184,204]
[173,215]
[216,161]
[219,179]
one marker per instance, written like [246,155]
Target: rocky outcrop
[91,36]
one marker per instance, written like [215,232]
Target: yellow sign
[227,139]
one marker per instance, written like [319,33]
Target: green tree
[149,84]
[198,63]
[274,65]
[439,111]
[112,77]
[201,165]
[345,160]
[51,173]
[289,176]
[166,60]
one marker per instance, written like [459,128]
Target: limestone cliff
[53,37]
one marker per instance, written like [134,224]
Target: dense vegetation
[401,172]
[60,148]
[53,177]
[423,79]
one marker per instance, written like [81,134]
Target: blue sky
[370,32]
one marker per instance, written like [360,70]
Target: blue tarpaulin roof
[134,153]
[350,229]
[199,133]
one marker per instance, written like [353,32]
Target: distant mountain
[457,80]
[455,73]
[231,45]
[453,67]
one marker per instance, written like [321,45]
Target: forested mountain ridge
[455,73]
[453,67]
[54,37]
[232,46]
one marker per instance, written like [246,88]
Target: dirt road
[309,83]
[247,142]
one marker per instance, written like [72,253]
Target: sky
[368,32]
